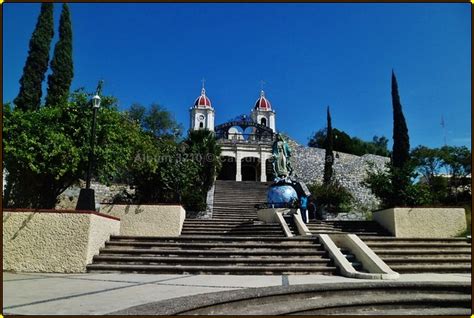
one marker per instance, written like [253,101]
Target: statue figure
[99,88]
[281,152]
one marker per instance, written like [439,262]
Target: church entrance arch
[250,168]
[229,168]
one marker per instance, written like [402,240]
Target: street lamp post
[86,199]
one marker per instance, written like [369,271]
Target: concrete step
[208,238]
[241,219]
[275,253]
[219,222]
[431,268]
[341,232]
[437,245]
[214,245]
[406,251]
[426,259]
[250,231]
[233,215]
[208,260]
[230,233]
[232,226]
[213,269]
[406,240]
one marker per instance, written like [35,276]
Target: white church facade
[245,156]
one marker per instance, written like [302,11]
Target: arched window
[263,121]
[201,125]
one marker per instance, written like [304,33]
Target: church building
[246,153]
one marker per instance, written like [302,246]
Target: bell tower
[202,113]
[263,113]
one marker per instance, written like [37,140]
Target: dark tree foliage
[60,79]
[332,197]
[203,145]
[36,65]
[401,142]
[167,171]
[329,155]
[342,142]
[155,120]
[401,149]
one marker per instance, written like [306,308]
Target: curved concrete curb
[277,300]
[370,261]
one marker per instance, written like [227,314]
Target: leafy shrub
[46,150]
[333,197]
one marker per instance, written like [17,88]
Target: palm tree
[202,145]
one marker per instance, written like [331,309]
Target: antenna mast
[443,124]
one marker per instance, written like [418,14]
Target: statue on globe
[281,153]
[281,193]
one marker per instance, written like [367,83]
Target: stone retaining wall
[103,194]
[54,241]
[349,170]
[147,219]
[423,222]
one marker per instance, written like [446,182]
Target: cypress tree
[329,155]
[401,142]
[36,65]
[401,148]
[60,79]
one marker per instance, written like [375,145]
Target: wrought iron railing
[245,138]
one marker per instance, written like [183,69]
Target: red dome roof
[263,103]
[203,100]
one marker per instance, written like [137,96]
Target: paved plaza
[98,294]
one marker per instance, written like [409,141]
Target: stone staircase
[236,200]
[232,242]
[361,228]
[423,255]
[405,255]
[235,242]
[212,255]
[223,227]
[234,212]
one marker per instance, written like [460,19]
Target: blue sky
[309,55]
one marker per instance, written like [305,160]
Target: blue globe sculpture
[281,195]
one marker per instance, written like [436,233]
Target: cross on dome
[203,89]
[203,100]
[263,103]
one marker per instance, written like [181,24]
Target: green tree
[156,120]
[428,162]
[331,197]
[380,182]
[329,155]
[202,145]
[60,79]
[36,65]
[401,149]
[457,163]
[342,142]
[171,172]
[46,150]
[381,146]
[136,113]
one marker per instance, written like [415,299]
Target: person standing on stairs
[304,208]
